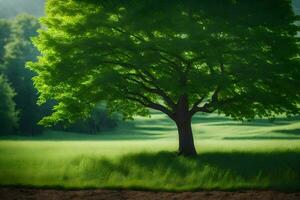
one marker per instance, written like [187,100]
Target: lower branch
[150,104]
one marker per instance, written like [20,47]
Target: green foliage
[8,113]
[98,121]
[237,57]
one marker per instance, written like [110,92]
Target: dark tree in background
[4,36]
[8,113]
[19,50]
[240,58]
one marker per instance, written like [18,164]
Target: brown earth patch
[45,194]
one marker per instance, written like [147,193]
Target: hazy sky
[10,8]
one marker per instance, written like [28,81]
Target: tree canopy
[240,58]
[132,52]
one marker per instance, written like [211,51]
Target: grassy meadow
[141,154]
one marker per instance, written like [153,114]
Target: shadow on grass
[223,121]
[166,171]
[262,138]
[289,132]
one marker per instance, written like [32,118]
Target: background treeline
[19,113]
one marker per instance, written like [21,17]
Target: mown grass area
[141,154]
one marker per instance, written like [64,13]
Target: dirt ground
[43,194]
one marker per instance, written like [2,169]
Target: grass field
[141,154]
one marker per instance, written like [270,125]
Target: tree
[19,50]
[8,113]
[240,58]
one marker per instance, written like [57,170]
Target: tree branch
[209,107]
[195,106]
[152,48]
[154,89]
[158,90]
[148,103]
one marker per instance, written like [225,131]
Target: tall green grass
[141,154]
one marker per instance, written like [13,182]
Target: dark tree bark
[186,141]
[183,120]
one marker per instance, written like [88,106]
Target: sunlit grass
[141,154]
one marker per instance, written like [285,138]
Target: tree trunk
[183,121]
[186,141]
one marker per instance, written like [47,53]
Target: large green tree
[180,57]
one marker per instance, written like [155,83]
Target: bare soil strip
[45,194]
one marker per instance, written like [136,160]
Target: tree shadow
[252,123]
[262,138]
[225,121]
[289,132]
[280,169]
